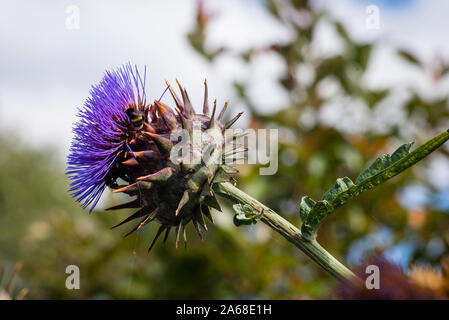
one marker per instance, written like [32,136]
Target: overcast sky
[46,70]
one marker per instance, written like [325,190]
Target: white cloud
[47,69]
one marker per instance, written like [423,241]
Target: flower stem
[310,247]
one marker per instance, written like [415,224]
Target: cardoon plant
[171,160]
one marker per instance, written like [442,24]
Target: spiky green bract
[173,162]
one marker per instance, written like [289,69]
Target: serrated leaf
[304,208]
[401,152]
[383,162]
[342,184]
[316,216]
[244,209]
[244,215]
[383,169]
[400,160]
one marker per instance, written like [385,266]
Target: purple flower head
[101,132]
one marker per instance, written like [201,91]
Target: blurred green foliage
[41,226]
[323,153]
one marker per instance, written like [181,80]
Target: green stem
[310,247]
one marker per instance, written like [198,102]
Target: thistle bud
[168,159]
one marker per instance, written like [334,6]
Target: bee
[135,117]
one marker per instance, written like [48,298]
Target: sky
[47,68]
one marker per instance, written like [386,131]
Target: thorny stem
[310,247]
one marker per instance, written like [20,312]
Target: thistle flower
[101,134]
[169,159]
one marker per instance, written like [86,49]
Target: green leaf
[273,7]
[341,30]
[342,184]
[314,213]
[374,97]
[384,168]
[304,208]
[245,215]
[409,57]
[363,54]
[383,162]
[316,216]
[401,152]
